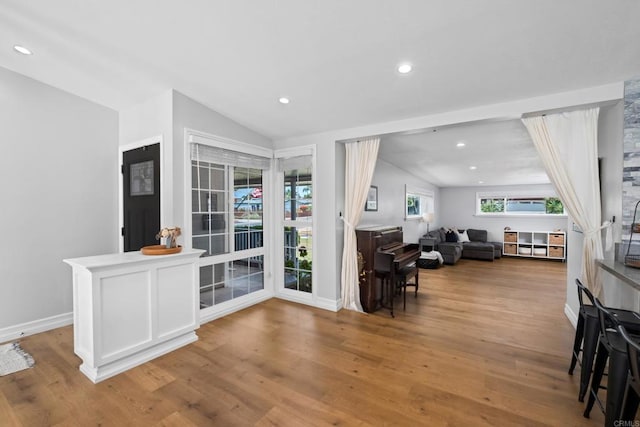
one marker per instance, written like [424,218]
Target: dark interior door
[141,192]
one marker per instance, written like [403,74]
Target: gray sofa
[477,248]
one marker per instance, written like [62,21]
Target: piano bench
[405,276]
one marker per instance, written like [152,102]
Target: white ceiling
[501,151]
[335,59]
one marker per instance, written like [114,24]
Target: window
[418,203]
[227,214]
[518,204]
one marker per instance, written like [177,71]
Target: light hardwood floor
[484,344]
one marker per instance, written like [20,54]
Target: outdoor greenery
[554,206]
[492,205]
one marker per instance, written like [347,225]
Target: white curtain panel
[568,146]
[360,165]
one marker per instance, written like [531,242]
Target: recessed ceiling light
[283,100]
[460,144]
[480,182]
[473,168]
[23,50]
[404,68]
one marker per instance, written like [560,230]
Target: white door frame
[121,150]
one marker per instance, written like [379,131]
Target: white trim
[528,215]
[280,222]
[35,326]
[303,150]
[192,135]
[307,299]
[296,296]
[511,193]
[121,150]
[220,310]
[573,318]
[329,304]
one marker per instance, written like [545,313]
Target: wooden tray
[159,250]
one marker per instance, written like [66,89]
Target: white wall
[151,121]
[391,182]
[610,151]
[150,118]
[59,198]
[190,114]
[459,210]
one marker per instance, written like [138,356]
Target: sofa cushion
[477,235]
[451,236]
[478,250]
[463,236]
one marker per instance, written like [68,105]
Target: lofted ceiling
[336,60]
[494,153]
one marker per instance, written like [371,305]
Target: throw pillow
[463,237]
[443,234]
[451,236]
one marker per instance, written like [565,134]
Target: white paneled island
[129,308]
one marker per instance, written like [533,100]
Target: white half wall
[59,198]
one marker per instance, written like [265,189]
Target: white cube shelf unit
[535,244]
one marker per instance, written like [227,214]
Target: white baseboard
[329,304]
[573,317]
[36,326]
[318,302]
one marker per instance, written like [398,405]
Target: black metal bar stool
[611,347]
[632,392]
[587,333]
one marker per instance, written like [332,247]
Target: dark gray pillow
[477,235]
[443,234]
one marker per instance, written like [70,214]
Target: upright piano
[386,239]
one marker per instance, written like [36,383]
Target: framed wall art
[372,199]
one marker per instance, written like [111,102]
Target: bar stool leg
[577,342]
[616,383]
[598,370]
[589,345]
[630,404]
